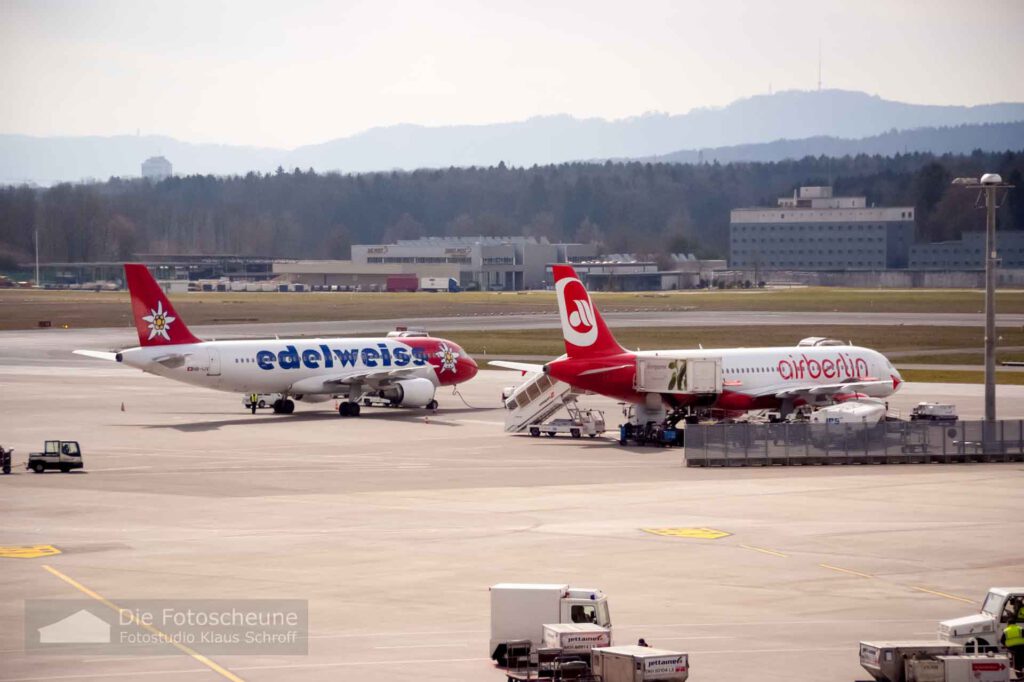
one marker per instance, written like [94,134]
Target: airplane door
[214,369]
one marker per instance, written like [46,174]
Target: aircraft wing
[98,354]
[866,386]
[371,378]
[518,366]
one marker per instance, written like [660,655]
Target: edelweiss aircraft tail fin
[156,320]
[583,328]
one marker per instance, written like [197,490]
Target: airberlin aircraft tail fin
[583,328]
[155,319]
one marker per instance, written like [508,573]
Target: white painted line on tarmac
[688,639]
[424,646]
[346,635]
[779,622]
[107,675]
[352,664]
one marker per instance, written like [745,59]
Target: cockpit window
[992,605]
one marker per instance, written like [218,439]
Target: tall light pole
[989,185]
[37,259]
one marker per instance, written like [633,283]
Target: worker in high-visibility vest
[253,402]
[1013,640]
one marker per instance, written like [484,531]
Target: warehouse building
[490,263]
[813,230]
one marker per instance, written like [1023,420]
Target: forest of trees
[627,207]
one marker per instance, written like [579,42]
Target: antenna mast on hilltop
[819,64]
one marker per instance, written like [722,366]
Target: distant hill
[962,139]
[793,115]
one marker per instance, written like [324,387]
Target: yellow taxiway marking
[943,594]
[846,570]
[27,551]
[765,551]
[212,665]
[697,533]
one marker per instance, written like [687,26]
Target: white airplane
[404,369]
[816,372]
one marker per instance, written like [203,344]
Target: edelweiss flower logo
[448,358]
[159,321]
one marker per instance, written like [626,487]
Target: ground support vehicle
[64,455]
[981,632]
[933,412]
[657,427]
[581,422]
[639,664]
[263,400]
[520,612]
[886,660]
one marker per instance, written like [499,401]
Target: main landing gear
[348,409]
[284,406]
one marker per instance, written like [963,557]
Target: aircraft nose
[469,366]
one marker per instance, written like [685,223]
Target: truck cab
[64,455]
[981,632]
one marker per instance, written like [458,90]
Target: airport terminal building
[492,263]
[813,230]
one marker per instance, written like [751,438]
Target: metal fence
[892,442]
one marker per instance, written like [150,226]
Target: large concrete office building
[492,263]
[968,252]
[813,230]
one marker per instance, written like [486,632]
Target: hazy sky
[296,72]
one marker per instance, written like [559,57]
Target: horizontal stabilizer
[98,354]
[518,366]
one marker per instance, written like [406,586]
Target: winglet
[156,321]
[583,328]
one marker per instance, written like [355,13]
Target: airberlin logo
[579,323]
[842,366]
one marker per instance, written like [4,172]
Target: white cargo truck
[576,638]
[970,668]
[519,611]
[639,664]
[981,632]
[439,284]
[934,412]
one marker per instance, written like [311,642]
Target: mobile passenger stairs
[529,405]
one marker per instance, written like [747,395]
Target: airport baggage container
[886,660]
[576,638]
[968,668]
[639,664]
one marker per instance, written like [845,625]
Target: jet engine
[313,397]
[409,393]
